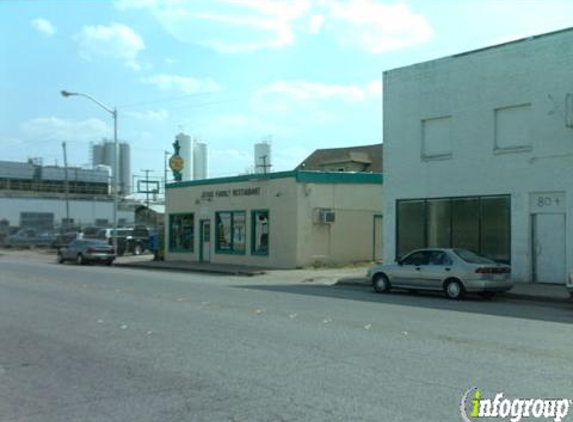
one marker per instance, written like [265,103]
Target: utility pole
[67,186]
[146,171]
[166,158]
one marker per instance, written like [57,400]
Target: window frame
[232,250]
[172,249]
[254,250]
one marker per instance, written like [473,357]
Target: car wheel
[60,259]
[80,259]
[381,283]
[108,263]
[454,289]
[487,295]
[137,249]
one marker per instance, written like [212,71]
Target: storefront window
[181,232]
[479,224]
[260,233]
[411,226]
[231,231]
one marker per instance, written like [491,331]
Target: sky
[304,74]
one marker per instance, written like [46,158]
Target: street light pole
[113,112]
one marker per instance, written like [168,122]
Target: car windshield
[472,257]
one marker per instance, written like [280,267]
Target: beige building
[281,220]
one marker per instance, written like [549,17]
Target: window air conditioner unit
[326,216]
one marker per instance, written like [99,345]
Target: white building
[478,154]
[200,160]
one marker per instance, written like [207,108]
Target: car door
[70,251]
[408,273]
[437,269]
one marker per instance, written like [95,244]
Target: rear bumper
[99,257]
[488,285]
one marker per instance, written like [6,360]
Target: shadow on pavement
[499,306]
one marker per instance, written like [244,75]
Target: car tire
[380,283]
[454,289]
[487,295]
[109,263]
[80,259]
[60,259]
[137,249]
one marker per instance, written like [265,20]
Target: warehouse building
[479,152]
[276,220]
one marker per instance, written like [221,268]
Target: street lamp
[113,112]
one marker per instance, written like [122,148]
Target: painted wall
[83,212]
[473,97]
[350,238]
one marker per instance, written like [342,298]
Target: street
[114,344]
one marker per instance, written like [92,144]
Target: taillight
[493,270]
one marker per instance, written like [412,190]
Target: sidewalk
[347,276]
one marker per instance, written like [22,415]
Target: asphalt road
[114,344]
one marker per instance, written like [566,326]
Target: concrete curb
[214,270]
[363,282]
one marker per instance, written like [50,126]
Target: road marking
[327,320]
[292,316]
[260,311]
[100,321]
[123,327]
[368,326]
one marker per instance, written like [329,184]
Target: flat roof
[300,176]
[487,48]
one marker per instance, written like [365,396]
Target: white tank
[185,153]
[97,154]
[200,160]
[124,168]
[263,157]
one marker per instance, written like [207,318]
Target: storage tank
[200,160]
[108,154]
[105,174]
[263,157]
[124,168]
[97,154]
[185,153]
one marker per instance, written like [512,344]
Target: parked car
[129,240]
[84,251]
[453,271]
[29,238]
[63,239]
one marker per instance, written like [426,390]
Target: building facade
[478,153]
[276,220]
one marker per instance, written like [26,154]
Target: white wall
[467,90]
[82,211]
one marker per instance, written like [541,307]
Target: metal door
[205,250]
[548,248]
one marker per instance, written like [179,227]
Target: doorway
[548,248]
[205,248]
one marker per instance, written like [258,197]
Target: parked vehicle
[453,271]
[63,239]
[84,251]
[29,238]
[129,240]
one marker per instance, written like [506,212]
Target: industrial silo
[200,160]
[124,169]
[97,154]
[185,153]
[109,154]
[263,157]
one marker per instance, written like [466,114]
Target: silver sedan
[453,271]
[84,251]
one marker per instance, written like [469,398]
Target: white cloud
[315,23]
[116,41]
[44,26]
[286,95]
[228,26]
[149,115]
[376,27]
[55,129]
[185,84]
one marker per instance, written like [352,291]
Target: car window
[418,258]
[472,257]
[438,258]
